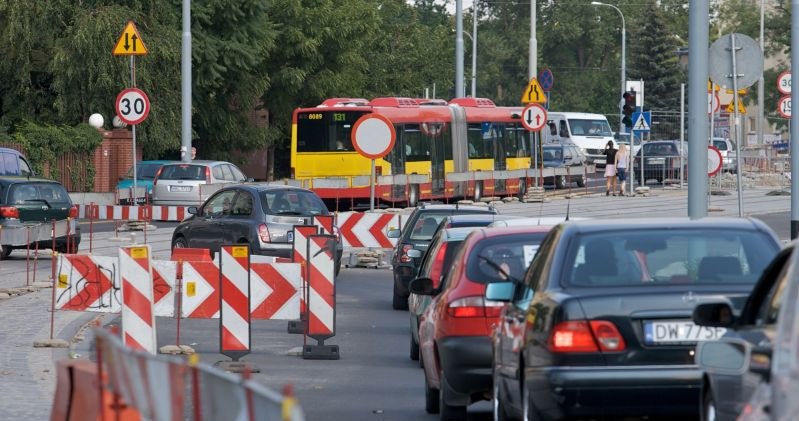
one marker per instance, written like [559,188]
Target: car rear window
[657,256]
[292,202]
[182,172]
[21,193]
[512,253]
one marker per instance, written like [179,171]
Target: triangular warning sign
[741,108]
[640,124]
[130,42]
[533,93]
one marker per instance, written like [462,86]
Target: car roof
[198,162]
[597,225]
[477,217]
[528,221]
[457,234]
[14,179]
[158,161]
[265,186]
[454,206]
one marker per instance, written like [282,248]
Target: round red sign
[373,136]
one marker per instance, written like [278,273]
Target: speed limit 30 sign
[132,106]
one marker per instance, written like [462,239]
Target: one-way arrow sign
[534,117]
[130,42]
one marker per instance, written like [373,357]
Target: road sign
[642,122]
[784,106]
[373,136]
[741,108]
[130,42]
[132,106]
[533,93]
[784,83]
[713,103]
[748,61]
[713,161]
[534,117]
[546,79]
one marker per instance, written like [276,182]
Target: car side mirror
[728,356]
[422,286]
[192,210]
[414,253]
[500,291]
[393,233]
[713,314]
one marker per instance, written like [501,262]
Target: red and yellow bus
[437,142]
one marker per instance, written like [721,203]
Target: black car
[663,160]
[416,234]
[30,208]
[601,324]
[724,395]
[567,156]
[261,215]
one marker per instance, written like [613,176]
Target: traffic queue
[582,319]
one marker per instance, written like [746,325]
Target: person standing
[622,163]
[610,168]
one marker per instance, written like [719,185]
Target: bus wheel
[413,195]
[522,188]
[478,190]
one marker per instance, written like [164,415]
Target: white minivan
[590,132]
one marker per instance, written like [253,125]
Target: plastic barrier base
[320,352]
[237,367]
[297,326]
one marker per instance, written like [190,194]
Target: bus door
[434,133]
[496,133]
[397,160]
[460,147]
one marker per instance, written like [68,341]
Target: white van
[590,132]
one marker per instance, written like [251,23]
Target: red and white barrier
[87,283]
[138,318]
[367,229]
[275,291]
[234,283]
[326,224]
[200,298]
[133,213]
[321,287]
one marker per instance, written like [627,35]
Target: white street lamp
[473,39]
[623,61]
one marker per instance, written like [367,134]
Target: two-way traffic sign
[534,117]
[130,42]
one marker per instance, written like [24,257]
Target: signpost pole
[737,125]
[133,85]
[372,188]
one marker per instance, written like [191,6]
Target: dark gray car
[259,214]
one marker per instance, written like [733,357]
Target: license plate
[679,331]
[290,236]
[656,161]
[180,188]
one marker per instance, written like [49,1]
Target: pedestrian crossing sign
[642,121]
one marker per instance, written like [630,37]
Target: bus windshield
[326,131]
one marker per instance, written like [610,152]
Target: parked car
[181,184]
[455,329]
[416,234]
[28,209]
[729,160]
[13,162]
[145,174]
[724,394]
[601,324]
[259,214]
[624,138]
[565,155]
[661,160]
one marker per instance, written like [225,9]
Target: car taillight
[476,306]
[208,175]
[73,212]
[404,258]
[586,336]
[438,265]
[9,212]
[157,174]
[263,233]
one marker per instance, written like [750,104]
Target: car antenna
[568,205]
[540,209]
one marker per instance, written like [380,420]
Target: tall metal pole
[623,65]
[185,77]
[474,49]
[135,175]
[760,82]
[737,120]
[698,28]
[532,63]
[794,141]
[459,91]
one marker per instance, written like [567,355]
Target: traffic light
[628,108]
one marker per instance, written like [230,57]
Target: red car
[455,329]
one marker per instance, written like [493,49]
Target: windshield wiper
[499,269]
[288,213]
[40,200]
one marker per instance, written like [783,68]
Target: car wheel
[581,182]
[496,402]
[414,349]
[430,398]
[522,188]
[179,243]
[399,302]
[413,196]
[708,407]
[449,412]
[560,181]
[478,190]
[4,252]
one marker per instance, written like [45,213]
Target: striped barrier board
[138,318]
[234,307]
[87,283]
[300,256]
[321,297]
[367,229]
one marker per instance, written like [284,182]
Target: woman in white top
[622,161]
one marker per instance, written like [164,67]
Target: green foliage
[44,143]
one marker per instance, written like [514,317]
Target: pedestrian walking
[622,163]
[610,168]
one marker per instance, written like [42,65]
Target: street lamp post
[623,61]
[474,56]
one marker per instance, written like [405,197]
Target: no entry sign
[373,136]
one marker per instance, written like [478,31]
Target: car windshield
[144,171]
[495,258]
[590,127]
[660,149]
[667,256]
[425,227]
[292,202]
[49,193]
[553,154]
[183,172]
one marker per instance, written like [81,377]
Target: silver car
[190,184]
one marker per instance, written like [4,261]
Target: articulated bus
[436,141]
